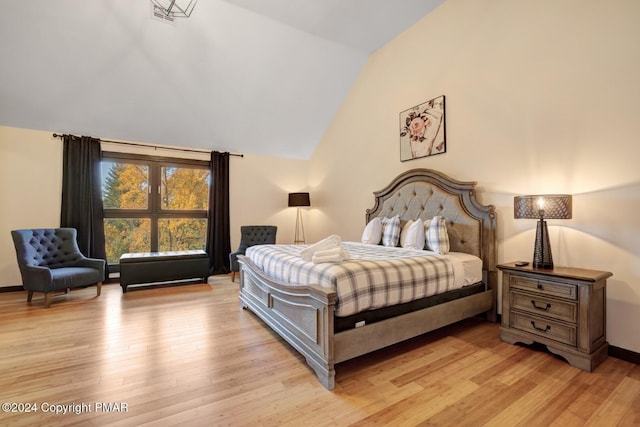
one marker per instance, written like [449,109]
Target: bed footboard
[302,315]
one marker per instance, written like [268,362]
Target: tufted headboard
[424,193]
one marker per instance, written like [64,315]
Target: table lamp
[541,207]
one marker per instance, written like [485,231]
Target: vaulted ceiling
[249,76]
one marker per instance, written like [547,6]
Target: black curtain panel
[82,194]
[218,236]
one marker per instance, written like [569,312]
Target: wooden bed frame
[304,315]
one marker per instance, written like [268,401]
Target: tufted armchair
[251,235]
[50,260]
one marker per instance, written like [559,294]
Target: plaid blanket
[375,277]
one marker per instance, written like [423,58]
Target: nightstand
[562,308]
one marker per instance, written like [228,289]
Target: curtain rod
[55,135]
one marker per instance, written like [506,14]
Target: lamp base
[299,233]
[542,257]
[545,265]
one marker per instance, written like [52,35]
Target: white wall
[31,189]
[541,97]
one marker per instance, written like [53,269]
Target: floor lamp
[299,200]
[549,206]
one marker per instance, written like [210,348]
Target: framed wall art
[422,130]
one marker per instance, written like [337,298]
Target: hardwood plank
[188,355]
[618,404]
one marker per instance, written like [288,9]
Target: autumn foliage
[176,213]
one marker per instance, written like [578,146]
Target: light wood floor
[188,355]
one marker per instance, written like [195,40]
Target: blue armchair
[251,235]
[50,260]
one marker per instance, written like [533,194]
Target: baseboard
[11,289]
[624,354]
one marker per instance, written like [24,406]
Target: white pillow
[412,235]
[427,223]
[372,234]
[403,231]
[391,231]
[437,237]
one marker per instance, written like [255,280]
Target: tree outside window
[153,204]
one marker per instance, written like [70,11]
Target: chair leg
[47,299]
[29,296]
[99,285]
[233,276]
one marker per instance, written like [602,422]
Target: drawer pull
[540,286]
[547,329]
[533,303]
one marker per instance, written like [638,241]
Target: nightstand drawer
[536,304]
[556,331]
[544,287]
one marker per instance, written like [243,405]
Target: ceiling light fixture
[174,8]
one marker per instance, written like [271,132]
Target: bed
[305,313]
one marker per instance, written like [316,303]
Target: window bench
[158,267]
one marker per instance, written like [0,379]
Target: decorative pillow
[437,236]
[404,229]
[391,231]
[427,222]
[412,235]
[372,234]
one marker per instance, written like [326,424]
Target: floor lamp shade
[298,200]
[541,207]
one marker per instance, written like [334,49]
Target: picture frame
[422,130]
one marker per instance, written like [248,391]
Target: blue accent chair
[50,260]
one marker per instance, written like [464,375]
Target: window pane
[184,188]
[126,235]
[181,234]
[125,185]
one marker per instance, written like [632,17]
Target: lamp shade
[299,199]
[548,206]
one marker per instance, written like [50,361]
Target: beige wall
[30,189]
[541,97]
[259,188]
[31,185]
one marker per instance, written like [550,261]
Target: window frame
[154,209]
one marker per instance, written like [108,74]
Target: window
[153,204]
